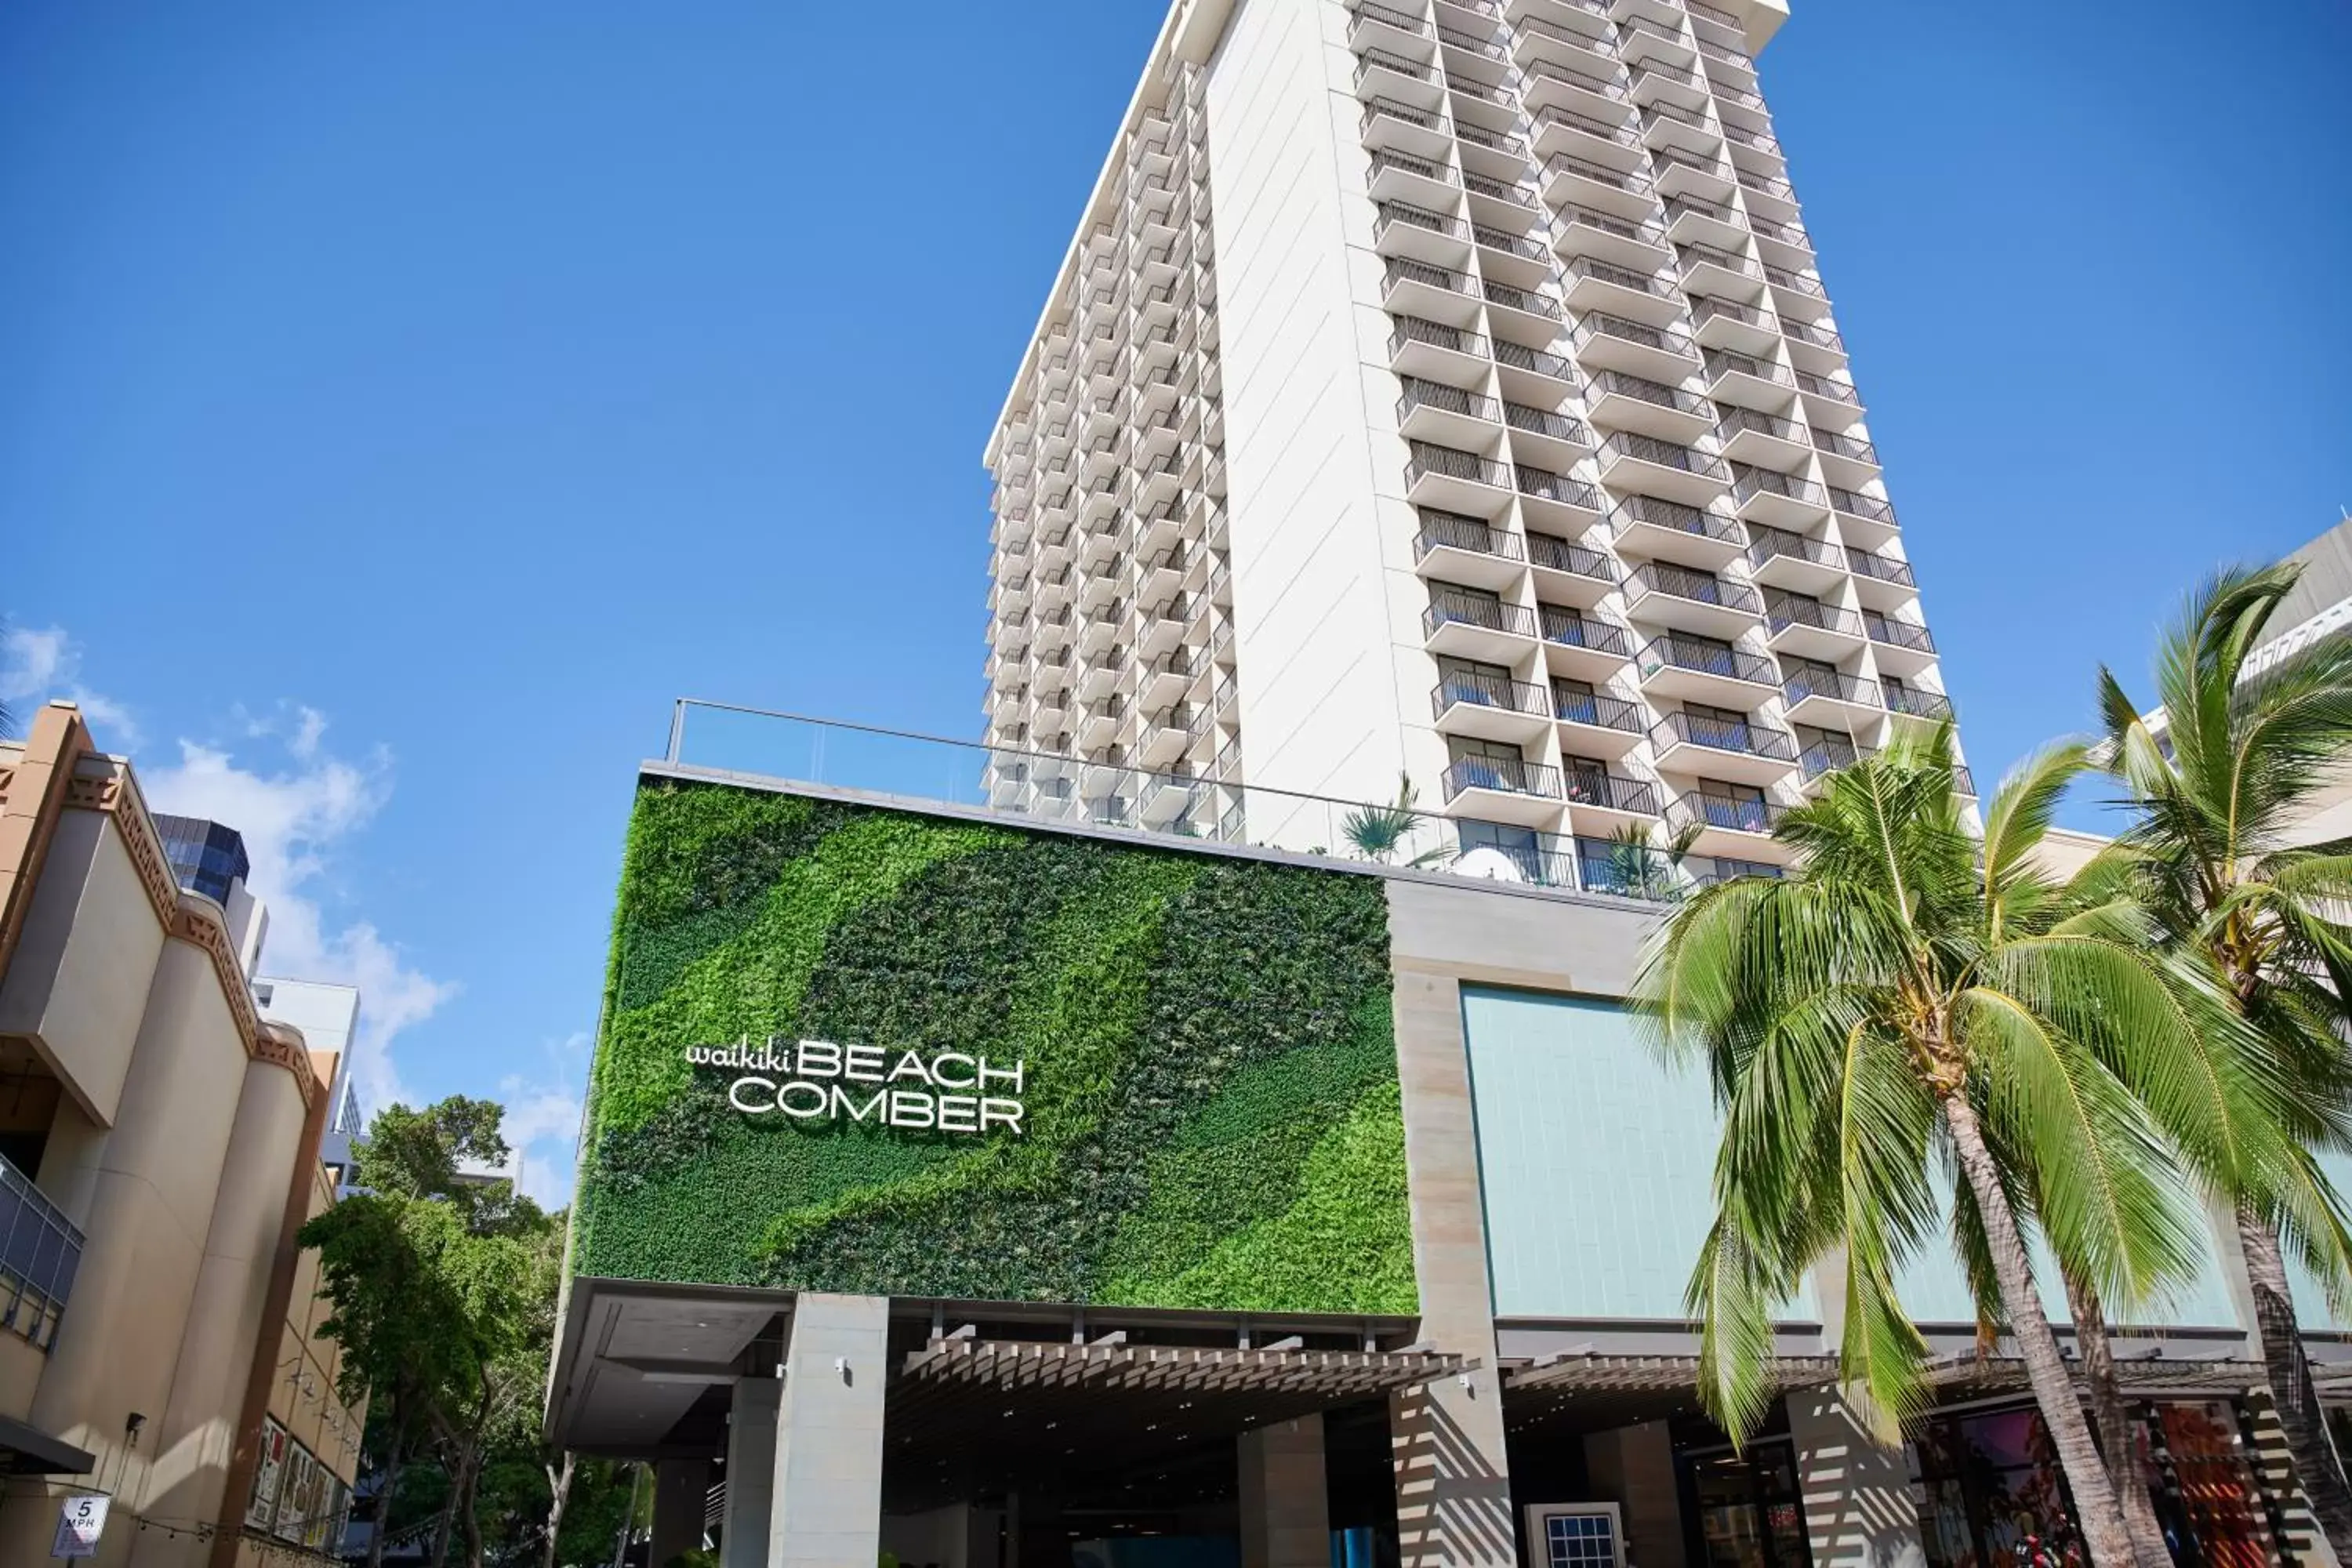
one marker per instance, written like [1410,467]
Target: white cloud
[294,822]
[40,664]
[543,1119]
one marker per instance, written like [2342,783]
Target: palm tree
[2244,756]
[1378,832]
[1909,997]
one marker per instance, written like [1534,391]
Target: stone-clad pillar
[828,1469]
[1286,1506]
[751,1472]
[1859,1509]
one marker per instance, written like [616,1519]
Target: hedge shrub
[1213,1111]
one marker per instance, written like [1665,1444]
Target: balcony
[40,1252]
[1382,74]
[1490,707]
[1623,402]
[1531,376]
[1419,289]
[1662,81]
[1694,176]
[1648,39]
[1504,203]
[1521,260]
[1612,343]
[1739,750]
[1583,647]
[1393,126]
[1727,324]
[1784,243]
[1781,500]
[1796,623]
[1503,789]
[1545,435]
[1707,269]
[1901,647]
[1670,531]
[1830,698]
[1752,383]
[1601,802]
[1454,481]
[1724,822]
[1864,520]
[1750,435]
[1880,581]
[1591,92]
[1555,501]
[1781,559]
[1643,465]
[1469,57]
[1827,755]
[1584,44]
[1436,350]
[1473,627]
[1696,669]
[1597,285]
[1414,182]
[1487,151]
[1585,231]
[1915,703]
[1796,296]
[1661,594]
[1768,194]
[1399,229]
[1816,346]
[1452,549]
[1434,411]
[1609,142]
[1567,572]
[1528,317]
[1846,459]
[1595,723]
[1574,182]
[1829,405]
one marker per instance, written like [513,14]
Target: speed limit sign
[80,1521]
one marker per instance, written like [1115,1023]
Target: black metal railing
[1524,246]
[1392,214]
[1384,160]
[1768,544]
[1650,283]
[1701,656]
[1592,785]
[1662,340]
[1585,81]
[1897,633]
[1518,356]
[1572,629]
[1744,736]
[1622,384]
[1365,11]
[1474,689]
[1560,165]
[1430,458]
[1632,447]
[1542,484]
[1855,504]
[1626,871]
[1553,553]
[1422,393]
[1508,775]
[1835,685]
[1526,299]
[1413,269]
[1749,482]
[1707,308]
[1838,444]
[1436,334]
[1546,421]
[1820,334]
[1881,568]
[1706,808]
[1450,607]
[1550,116]
[1918,704]
[1597,708]
[1446,531]
[1652,513]
[1626,228]
[1370,60]
[40,1252]
[1694,587]
[1782,611]
[1736,420]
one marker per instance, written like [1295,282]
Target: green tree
[1910,997]
[2216,799]
[423,1155]
[1379,832]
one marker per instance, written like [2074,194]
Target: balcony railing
[1622,384]
[1838,444]
[1428,457]
[1648,283]
[1571,629]
[1782,611]
[1651,511]
[1496,140]
[1749,482]
[1631,446]
[1546,421]
[1835,685]
[1436,334]
[1584,125]
[1735,420]
[1830,753]
[1401,21]
[1706,808]
[1744,737]
[1597,708]
[1526,299]
[1820,334]
[1444,531]
[1897,634]
[1413,269]
[1420,394]
[1649,234]
[1370,60]
[1542,484]
[1382,161]
[1553,553]
[1390,109]
[1703,657]
[40,1251]
[1881,568]
[1391,214]
[1507,776]
[1594,785]
[1823,387]
[1450,609]
[1695,587]
[1524,246]
[1478,690]
[1920,704]
[1665,339]
[1518,356]
[1856,504]
[1768,544]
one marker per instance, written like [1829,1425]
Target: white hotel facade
[1446,388]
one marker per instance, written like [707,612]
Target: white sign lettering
[818,1080]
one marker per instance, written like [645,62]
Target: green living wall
[1213,1117]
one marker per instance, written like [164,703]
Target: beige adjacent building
[158,1152]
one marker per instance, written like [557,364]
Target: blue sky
[401,405]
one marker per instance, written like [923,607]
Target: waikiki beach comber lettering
[812,1077]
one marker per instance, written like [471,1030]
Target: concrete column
[1633,1467]
[751,1472]
[828,1469]
[1860,1510]
[1452,1475]
[1285,1505]
[681,1491]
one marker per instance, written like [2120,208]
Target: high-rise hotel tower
[1446,388]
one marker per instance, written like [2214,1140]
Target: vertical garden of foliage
[1211,1104]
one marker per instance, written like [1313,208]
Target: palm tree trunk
[2097,1514]
[2316,1465]
[2117,1439]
